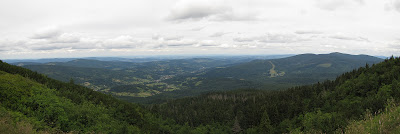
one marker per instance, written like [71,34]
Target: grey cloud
[272,38]
[166,38]
[73,41]
[177,43]
[392,5]
[173,38]
[280,38]
[66,38]
[49,47]
[332,5]
[47,33]
[197,28]
[361,2]
[395,45]
[55,46]
[156,37]
[308,32]
[218,34]
[207,43]
[211,10]
[343,37]
[55,35]
[245,39]
[397,5]
[232,16]
[195,10]
[12,45]
[124,41]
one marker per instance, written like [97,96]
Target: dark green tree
[236,127]
[265,124]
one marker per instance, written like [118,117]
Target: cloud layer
[123,27]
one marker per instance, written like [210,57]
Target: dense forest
[34,103]
[321,107]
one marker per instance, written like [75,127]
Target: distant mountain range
[303,68]
[139,59]
[157,81]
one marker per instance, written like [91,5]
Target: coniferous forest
[357,101]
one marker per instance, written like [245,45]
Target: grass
[272,71]
[15,125]
[325,65]
[386,122]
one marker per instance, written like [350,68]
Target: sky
[97,28]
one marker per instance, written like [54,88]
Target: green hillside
[34,103]
[300,69]
[127,78]
[323,107]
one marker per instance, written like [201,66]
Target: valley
[159,81]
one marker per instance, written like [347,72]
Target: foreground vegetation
[31,100]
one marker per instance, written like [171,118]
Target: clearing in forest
[273,73]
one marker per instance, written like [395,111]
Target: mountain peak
[337,53]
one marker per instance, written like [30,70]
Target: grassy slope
[47,111]
[55,106]
[387,122]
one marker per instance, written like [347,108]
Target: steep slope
[387,122]
[54,106]
[322,107]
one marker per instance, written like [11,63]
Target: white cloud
[166,38]
[340,36]
[272,38]
[308,32]
[197,28]
[124,41]
[332,5]
[196,9]
[47,33]
[215,10]
[394,45]
[392,5]
[397,5]
[219,34]
[178,43]
[66,38]
[208,43]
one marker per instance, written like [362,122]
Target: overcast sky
[81,28]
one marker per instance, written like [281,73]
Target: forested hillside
[33,102]
[299,69]
[323,107]
[159,81]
